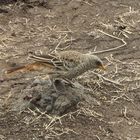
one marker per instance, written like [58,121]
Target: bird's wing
[50,59]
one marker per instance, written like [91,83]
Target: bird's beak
[102,67]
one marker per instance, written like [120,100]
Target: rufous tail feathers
[16,69]
[29,67]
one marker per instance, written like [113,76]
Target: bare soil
[108,28]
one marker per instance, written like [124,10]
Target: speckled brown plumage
[69,64]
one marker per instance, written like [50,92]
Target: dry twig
[112,49]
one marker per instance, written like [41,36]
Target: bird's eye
[98,63]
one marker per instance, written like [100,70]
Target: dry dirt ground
[109,28]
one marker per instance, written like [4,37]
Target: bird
[64,64]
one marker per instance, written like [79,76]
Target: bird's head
[99,65]
[97,62]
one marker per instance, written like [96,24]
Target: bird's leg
[53,83]
[61,75]
[69,82]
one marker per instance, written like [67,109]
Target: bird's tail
[29,67]
[15,69]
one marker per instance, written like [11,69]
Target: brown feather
[29,67]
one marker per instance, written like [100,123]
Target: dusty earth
[109,28]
